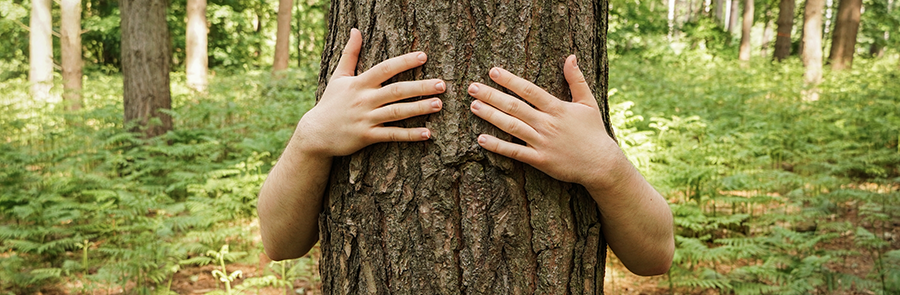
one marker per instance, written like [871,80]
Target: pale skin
[566,140]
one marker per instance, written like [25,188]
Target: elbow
[659,265]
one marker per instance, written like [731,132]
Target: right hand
[353,109]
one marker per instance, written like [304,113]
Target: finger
[392,134]
[581,92]
[391,67]
[504,102]
[347,65]
[524,88]
[511,150]
[504,121]
[407,89]
[400,111]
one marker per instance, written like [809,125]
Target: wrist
[613,173]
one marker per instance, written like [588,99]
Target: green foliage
[755,173]
[81,198]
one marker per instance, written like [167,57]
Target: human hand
[566,140]
[353,109]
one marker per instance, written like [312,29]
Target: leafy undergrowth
[773,192]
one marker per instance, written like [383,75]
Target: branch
[52,32]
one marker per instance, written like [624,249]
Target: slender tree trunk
[40,73]
[145,65]
[197,66]
[671,17]
[445,216]
[720,11]
[70,49]
[785,25]
[745,31]
[812,41]
[843,42]
[733,16]
[283,36]
[767,32]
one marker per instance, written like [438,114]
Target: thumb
[347,65]
[581,92]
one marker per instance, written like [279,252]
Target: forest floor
[618,281]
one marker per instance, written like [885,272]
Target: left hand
[566,140]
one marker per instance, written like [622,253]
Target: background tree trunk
[812,41]
[445,216]
[720,11]
[843,42]
[40,52]
[145,64]
[745,31]
[785,25]
[733,17]
[197,65]
[283,36]
[70,49]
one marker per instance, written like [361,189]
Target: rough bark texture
[744,53]
[70,49]
[283,36]
[843,42]
[445,216]
[40,50]
[785,25]
[145,64]
[197,64]
[812,40]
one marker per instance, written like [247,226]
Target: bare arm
[349,116]
[568,141]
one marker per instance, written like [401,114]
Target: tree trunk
[733,17]
[40,51]
[767,32]
[145,65]
[843,42]
[70,49]
[812,41]
[745,31]
[671,18]
[283,36]
[197,65]
[720,11]
[445,216]
[785,25]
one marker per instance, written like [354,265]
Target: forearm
[290,202]
[636,219]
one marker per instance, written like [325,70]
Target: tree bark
[283,36]
[445,216]
[745,31]
[70,49]
[197,65]
[145,65]
[785,25]
[812,41]
[40,51]
[733,17]
[843,42]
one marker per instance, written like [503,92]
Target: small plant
[222,274]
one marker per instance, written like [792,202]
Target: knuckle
[393,136]
[512,127]
[387,69]
[395,90]
[396,113]
[512,107]
[529,90]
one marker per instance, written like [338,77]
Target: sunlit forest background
[782,179]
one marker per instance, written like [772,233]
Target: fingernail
[495,73]
[482,139]
[426,134]
[473,88]
[575,62]
[439,86]
[436,103]
[476,105]
[422,57]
